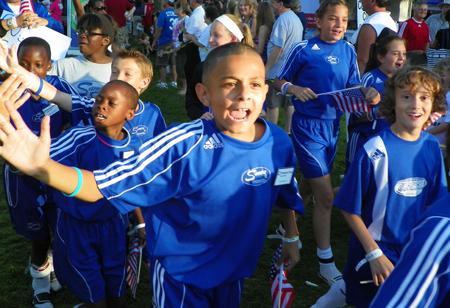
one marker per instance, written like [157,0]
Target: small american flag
[25,6]
[282,291]
[350,100]
[132,267]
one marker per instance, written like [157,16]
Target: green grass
[15,286]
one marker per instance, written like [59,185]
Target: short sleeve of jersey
[293,62]
[160,163]
[354,77]
[356,184]
[161,19]
[82,110]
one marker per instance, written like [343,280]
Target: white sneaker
[173,84]
[161,85]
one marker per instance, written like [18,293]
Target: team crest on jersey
[377,155]
[332,60]
[38,117]
[256,176]
[139,130]
[410,187]
[213,143]
[35,226]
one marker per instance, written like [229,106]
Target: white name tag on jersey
[127,154]
[284,176]
[50,110]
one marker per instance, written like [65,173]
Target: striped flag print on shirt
[25,6]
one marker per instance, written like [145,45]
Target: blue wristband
[80,182]
[18,171]
[41,85]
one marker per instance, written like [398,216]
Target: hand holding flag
[282,291]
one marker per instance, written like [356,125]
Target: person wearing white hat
[437,22]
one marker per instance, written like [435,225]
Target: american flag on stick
[282,291]
[133,269]
[349,100]
[25,6]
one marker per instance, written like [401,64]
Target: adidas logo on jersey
[379,80]
[315,47]
[213,143]
[377,155]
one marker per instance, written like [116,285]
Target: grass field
[15,286]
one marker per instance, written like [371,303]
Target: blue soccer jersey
[322,67]
[34,111]
[210,198]
[31,211]
[421,277]
[87,148]
[146,123]
[391,181]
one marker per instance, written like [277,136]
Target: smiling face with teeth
[412,110]
[235,90]
[113,106]
[333,23]
[394,59]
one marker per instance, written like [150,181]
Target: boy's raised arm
[30,154]
[10,64]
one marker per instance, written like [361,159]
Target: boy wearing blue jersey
[32,213]
[90,241]
[392,180]
[200,237]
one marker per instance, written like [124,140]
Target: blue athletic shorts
[315,144]
[357,294]
[32,213]
[90,257]
[169,293]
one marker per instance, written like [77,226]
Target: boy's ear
[145,82]
[202,94]
[130,114]
[49,67]
[106,41]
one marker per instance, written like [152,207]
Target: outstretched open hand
[8,59]
[21,148]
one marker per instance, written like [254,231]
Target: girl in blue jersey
[204,241]
[392,180]
[387,56]
[321,64]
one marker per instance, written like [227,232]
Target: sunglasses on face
[89,33]
[100,8]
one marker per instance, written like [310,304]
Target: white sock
[334,298]
[325,254]
[329,270]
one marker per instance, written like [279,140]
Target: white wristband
[139,226]
[374,254]
[31,81]
[290,239]
[14,22]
